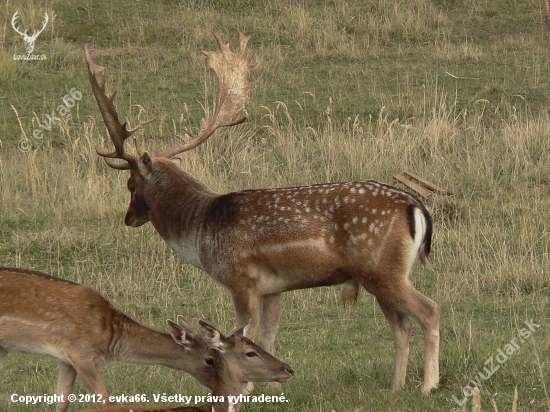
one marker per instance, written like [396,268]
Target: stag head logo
[29,40]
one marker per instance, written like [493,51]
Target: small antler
[117,131]
[231,70]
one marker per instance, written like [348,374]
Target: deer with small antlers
[260,243]
[46,315]
[236,361]
[29,40]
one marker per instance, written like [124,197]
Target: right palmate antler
[231,71]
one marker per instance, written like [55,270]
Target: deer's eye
[132,190]
[251,354]
[209,361]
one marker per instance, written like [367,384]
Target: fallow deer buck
[236,361]
[46,315]
[260,243]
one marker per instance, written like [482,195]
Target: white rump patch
[420,226]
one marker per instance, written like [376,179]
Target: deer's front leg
[87,372]
[270,315]
[65,384]
[247,307]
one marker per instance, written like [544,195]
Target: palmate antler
[231,71]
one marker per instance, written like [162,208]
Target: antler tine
[117,131]
[231,71]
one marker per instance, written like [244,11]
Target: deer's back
[46,315]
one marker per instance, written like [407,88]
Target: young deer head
[45,315]
[260,243]
[236,360]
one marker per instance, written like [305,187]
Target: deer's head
[148,173]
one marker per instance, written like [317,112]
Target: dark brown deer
[46,315]
[236,361]
[260,243]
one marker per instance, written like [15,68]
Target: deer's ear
[213,336]
[180,336]
[186,326]
[177,161]
[146,164]
[242,331]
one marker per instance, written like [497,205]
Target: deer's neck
[227,387]
[179,209]
[136,343]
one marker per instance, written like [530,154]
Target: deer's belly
[295,265]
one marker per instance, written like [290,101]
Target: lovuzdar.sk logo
[29,40]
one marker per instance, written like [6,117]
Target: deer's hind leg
[427,314]
[401,326]
[400,303]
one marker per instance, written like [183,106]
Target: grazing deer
[236,361]
[260,243]
[46,315]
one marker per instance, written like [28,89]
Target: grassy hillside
[456,91]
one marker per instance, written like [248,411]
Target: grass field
[457,91]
